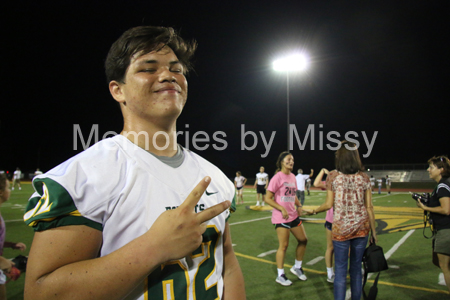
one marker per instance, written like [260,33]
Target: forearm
[327,204]
[373,225]
[9,244]
[234,287]
[438,210]
[110,277]
[269,200]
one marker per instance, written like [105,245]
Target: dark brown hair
[441,162]
[347,161]
[280,159]
[2,182]
[142,40]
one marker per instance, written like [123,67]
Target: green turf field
[411,275]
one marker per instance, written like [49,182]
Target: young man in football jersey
[388,184]
[372,182]
[261,183]
[16,179]
[136,216]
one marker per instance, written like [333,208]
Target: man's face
[261,170]
[155,86]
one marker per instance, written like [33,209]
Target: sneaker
[283,280]
[257,203]
[299,273]
[330,280]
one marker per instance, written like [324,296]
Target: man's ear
[115,88]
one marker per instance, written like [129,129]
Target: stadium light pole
[291,63]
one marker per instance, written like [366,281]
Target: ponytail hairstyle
[347,159]
[280,159]
[441,162]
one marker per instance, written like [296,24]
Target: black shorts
[328,225]
[297,222]
[261,189]
[239,188]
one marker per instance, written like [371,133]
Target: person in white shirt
[372,182]
[239,182]
[380,183]
[38,172]
[16,179]
[261,182]
[301,184]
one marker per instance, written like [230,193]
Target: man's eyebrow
[154,61]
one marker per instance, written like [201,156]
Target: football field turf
[400,232]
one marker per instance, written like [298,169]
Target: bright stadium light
[292,63]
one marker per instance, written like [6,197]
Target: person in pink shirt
[285,215]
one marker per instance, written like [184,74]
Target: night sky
[374,67]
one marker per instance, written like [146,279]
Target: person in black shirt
[439,208]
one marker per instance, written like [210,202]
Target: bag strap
[374,289]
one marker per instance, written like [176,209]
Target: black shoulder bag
[374,261]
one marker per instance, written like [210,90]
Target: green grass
[411,275]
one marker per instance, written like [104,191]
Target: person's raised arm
[63,262]
[312,173]
[233,280]
[318,181]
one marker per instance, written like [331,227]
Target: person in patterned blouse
[349,193]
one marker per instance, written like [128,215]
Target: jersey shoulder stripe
[51,206]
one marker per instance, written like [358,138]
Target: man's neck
[161,141]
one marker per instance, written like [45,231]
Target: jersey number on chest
[172,280]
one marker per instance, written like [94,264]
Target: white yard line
[266,253]
[248,221]
[315,260]
[17,220]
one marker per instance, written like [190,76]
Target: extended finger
[213,211]
[195,195]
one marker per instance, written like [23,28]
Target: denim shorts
[328,225]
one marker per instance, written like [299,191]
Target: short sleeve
[366,179]
[330,179]
[443,190]
[274,184]
[52,206]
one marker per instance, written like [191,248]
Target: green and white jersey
[121,189]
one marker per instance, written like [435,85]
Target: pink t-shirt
[283,186]
[329,216]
